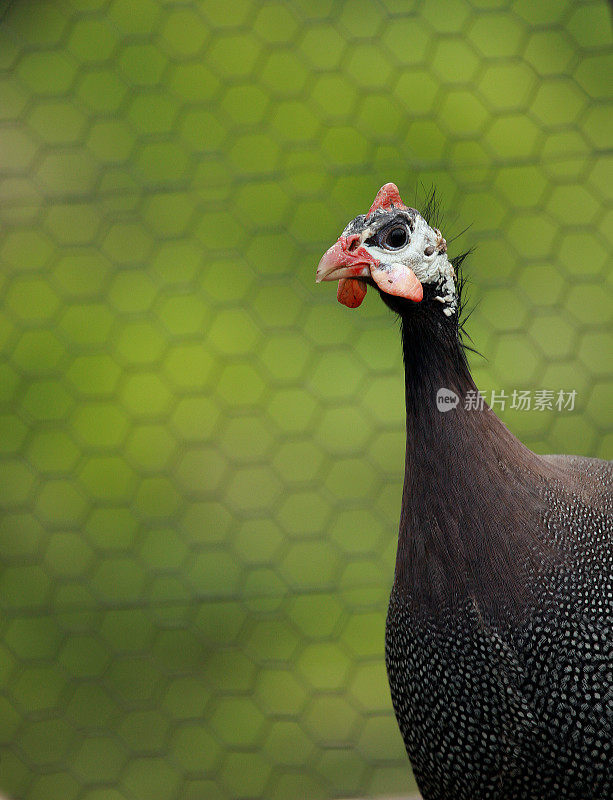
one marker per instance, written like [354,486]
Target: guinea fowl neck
[470,495]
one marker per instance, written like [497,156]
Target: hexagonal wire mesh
[201,452]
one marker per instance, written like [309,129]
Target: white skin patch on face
[425,253]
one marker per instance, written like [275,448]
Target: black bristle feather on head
[432,211]
[461,282]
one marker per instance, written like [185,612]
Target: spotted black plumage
[519,709]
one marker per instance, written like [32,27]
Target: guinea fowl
[498,638]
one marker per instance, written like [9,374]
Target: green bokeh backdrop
[200,451]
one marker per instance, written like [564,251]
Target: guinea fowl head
[393,248]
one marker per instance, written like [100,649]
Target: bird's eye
[395,238]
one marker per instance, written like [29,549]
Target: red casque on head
[388,197]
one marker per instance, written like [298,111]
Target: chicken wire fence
[201,452]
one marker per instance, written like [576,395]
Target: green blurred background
[201,452]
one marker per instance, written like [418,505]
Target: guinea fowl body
[498,639]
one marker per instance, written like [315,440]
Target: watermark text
[516,400]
